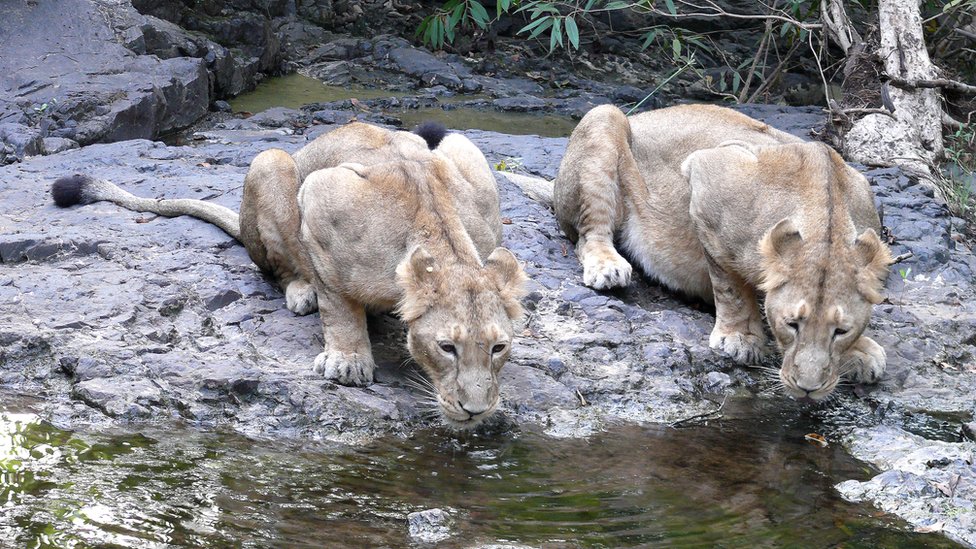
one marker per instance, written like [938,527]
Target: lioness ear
[875,259]
[415,276]
[777,248]
[509,278]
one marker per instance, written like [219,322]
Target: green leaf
[572,32]
[671,8]
[438,33]
[649,38]
[478,14]
[736,82]
[556,35]
[785,28]
[501,6]
[618,5]
[676,47]
[456,16]
[531,26]
[589,5]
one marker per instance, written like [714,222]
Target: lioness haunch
[715,204]
[365,218]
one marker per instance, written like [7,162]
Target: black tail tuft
[432,132]
[70,190]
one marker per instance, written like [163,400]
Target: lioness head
[818,301]
[459,320]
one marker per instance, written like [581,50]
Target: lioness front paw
[743,348]
[605,269]
[300,297]
[345,368]
[865,362]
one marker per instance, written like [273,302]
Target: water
[294,90]
[749,480]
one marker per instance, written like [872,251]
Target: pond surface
[294,90]
[749,480]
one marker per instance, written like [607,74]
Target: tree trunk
[912,137]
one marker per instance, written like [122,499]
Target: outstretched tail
[83,189]
[536,188]
[432,132]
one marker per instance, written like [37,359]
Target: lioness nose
[474,409]
[809,385]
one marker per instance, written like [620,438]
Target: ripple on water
[746,481]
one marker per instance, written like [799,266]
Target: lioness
[717,205]
[365,218]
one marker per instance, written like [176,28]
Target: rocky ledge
[115,316]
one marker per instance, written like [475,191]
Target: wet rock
[423,65]
[430,526]
[930,484]
[969,430]
[279,117]
[520,103]
[716,382]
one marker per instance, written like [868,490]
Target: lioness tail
[536,188]
[432,132]
[83,189]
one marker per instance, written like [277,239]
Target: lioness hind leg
[347,358]
[738,327]
[865,361]
[588,195]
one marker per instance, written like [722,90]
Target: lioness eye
[839,332]
[498,348]
[793,325]
[448,348]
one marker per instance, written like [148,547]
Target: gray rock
[24,141]
[930,484]
[54,145]
[430,526]
[520,103]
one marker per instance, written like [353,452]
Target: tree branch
[939,83]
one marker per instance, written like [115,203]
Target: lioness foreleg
[603,267]
[348,358]
[865,361]
[738,327]
[299,296]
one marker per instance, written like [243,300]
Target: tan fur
[381,223]
[365,218]
[717,205]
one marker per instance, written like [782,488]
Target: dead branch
[714,10]
[714,414]
[952,122]
[936,83]
[902,257]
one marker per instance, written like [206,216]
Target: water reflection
[746,481]
[295,90]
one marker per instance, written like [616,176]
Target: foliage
[959,171]
[509,164]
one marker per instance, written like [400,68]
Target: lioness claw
[743,348]
[867,361]
[350,369]
[602,273]
[300,298]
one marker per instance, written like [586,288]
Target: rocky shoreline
[118,317]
